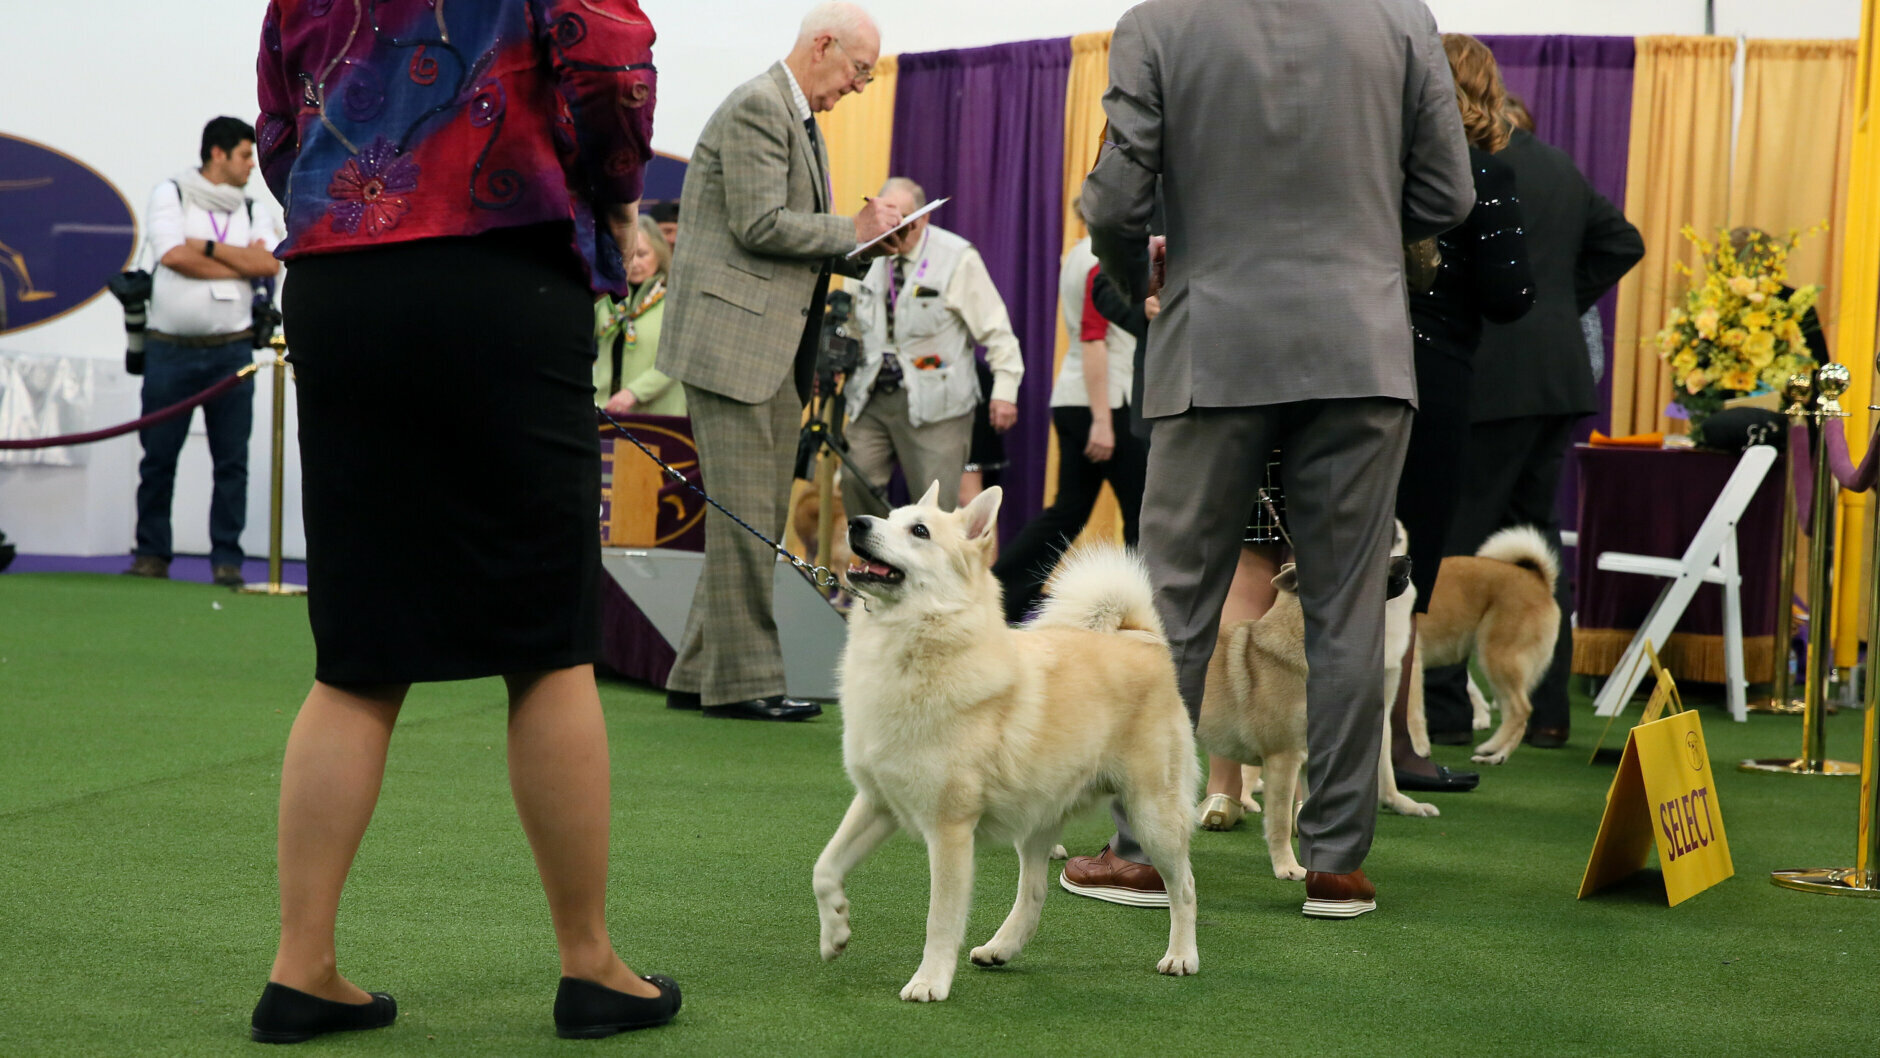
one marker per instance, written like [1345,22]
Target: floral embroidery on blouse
[368,191]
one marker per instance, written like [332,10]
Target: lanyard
[221,230]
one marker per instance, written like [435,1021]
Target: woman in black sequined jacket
[1484,275]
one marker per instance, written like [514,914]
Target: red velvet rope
[181,407]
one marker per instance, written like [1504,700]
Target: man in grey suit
[1299,146]
[749,275]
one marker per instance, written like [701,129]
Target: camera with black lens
[265,317]
[132,289]
[839,353]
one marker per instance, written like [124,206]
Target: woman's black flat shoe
[587,1011]
[288,1015]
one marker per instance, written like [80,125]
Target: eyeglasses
[864,73]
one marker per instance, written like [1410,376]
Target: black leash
[820,576]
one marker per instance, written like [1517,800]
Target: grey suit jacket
[755,235]
[1300,144]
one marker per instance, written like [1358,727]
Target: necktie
[815,152]
[890,377]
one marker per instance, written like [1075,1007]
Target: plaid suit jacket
[755,236]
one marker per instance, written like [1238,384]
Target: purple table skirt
[1651,502]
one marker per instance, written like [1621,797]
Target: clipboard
[905,221]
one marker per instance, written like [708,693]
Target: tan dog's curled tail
[1524,546]
[1101,589]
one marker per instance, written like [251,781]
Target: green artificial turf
[142,729]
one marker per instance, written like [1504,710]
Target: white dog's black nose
[858,530]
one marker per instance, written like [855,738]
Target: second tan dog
[1254,708]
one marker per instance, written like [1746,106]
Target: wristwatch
[209,250]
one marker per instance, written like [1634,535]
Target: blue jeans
[173,373]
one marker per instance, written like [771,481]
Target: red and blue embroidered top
[394,120]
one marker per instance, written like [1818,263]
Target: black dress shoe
[683,700]
[587,1011]
[1546,737]
[775,707]
[1452,738]
[288,1015]
[1444,781]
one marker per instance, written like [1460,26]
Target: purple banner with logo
[64,232]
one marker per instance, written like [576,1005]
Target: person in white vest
[921,311]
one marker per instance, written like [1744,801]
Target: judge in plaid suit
[749,276]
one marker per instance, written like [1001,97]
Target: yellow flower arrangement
[1735,330]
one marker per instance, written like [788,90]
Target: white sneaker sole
[1115,894]
[1338,908]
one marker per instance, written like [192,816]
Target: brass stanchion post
[1862,879]
[1781,693]
[1831,381]
[274,585]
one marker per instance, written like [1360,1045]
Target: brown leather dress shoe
[1339,895]
[1107,876]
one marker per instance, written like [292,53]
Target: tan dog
[1254,709]
[955,726]
[1497,606]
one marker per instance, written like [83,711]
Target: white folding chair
[1711,559]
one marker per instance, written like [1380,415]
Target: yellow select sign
[1663,795]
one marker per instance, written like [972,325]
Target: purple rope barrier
[181,407]
[1852,478]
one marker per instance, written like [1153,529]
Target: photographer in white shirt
[210,242]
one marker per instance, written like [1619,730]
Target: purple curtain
[1579,90]
[986,126]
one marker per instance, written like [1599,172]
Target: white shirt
[1073,286]
[971,296]
[184,306]
[796,93]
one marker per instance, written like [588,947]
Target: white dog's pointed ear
[983,513]
[932,496]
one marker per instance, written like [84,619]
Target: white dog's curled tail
[1524,546]
[1102,589]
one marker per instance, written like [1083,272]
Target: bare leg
[330,779]
[558,773]
[1248,599]
[1404,751]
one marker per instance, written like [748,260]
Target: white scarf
[196,190]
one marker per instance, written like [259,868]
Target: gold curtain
[1083,132]
[1793,162]
[1855,328]
[858,133]
[1681,110]
[1793,149]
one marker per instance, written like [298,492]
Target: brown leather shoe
[1108,876]
[1339,895]
[149,566]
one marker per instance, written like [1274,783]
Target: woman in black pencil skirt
[458,186]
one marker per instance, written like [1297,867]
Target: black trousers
[1024,566]
[1512,478]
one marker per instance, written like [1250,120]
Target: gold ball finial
[1800,387]
[1834,380]
[278,342]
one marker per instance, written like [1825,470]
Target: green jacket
[655,392]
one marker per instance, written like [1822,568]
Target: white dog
[956,726]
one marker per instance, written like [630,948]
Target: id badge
[225,290]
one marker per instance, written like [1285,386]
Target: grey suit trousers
[747,456]
[1339,464]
